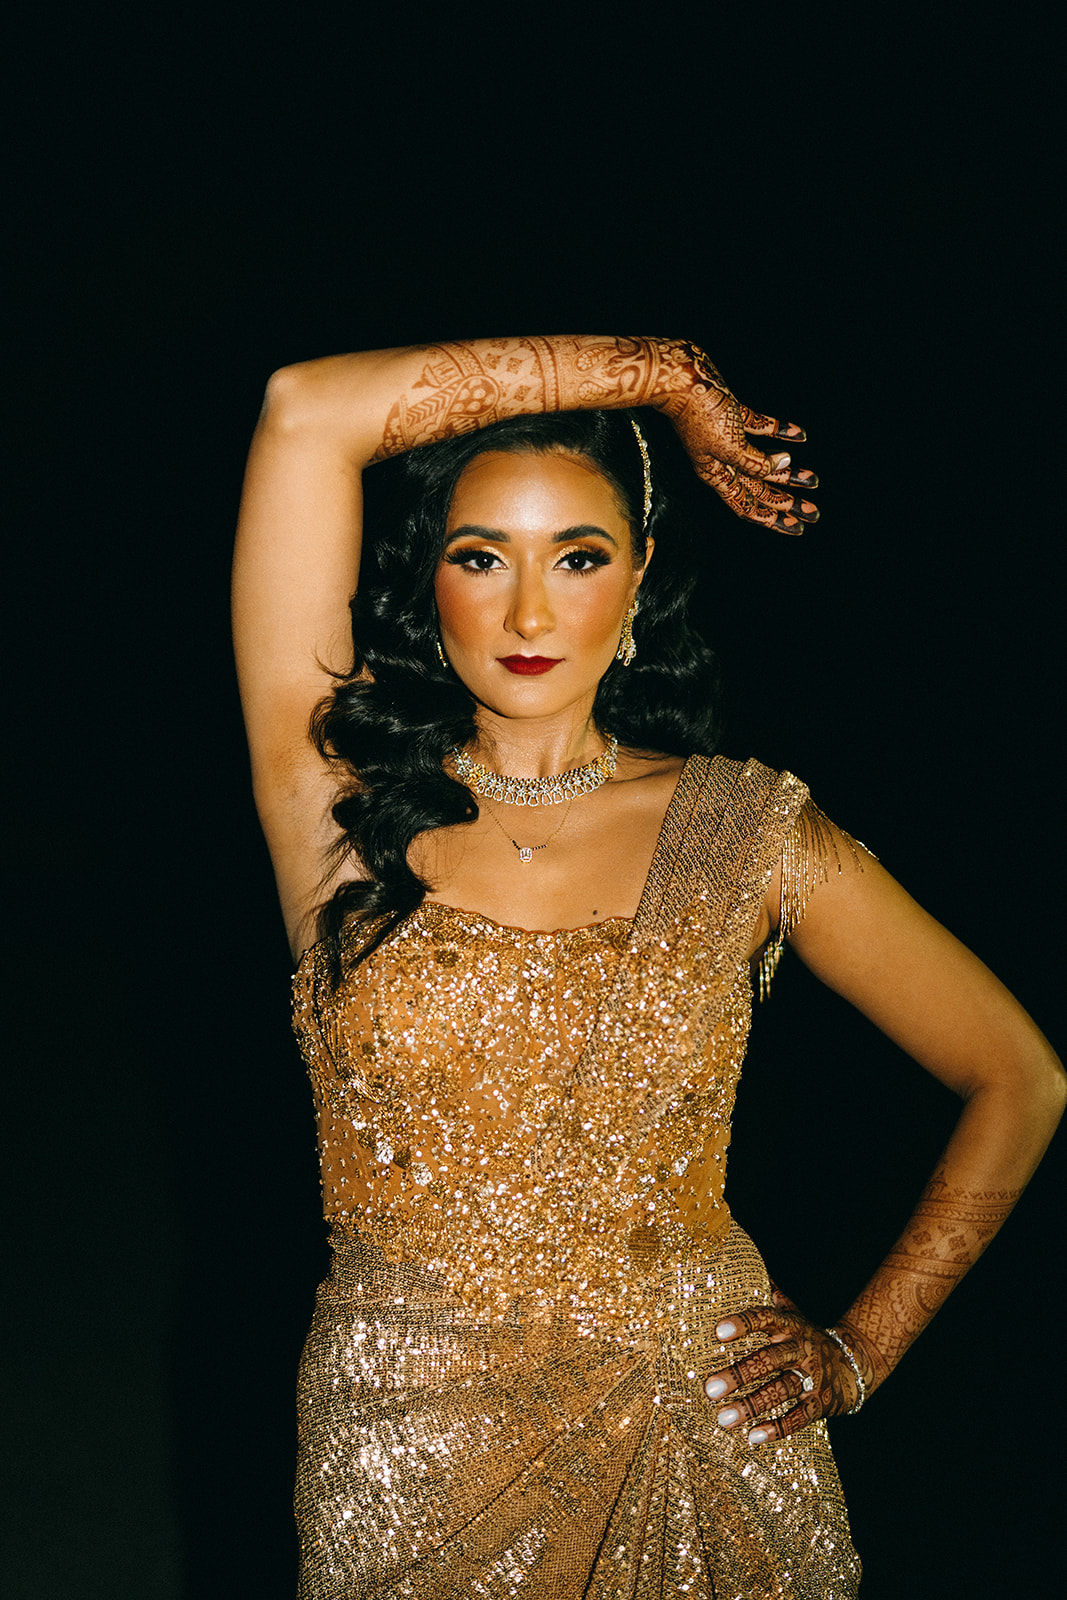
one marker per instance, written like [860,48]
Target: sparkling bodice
[545,1115]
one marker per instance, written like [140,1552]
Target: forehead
[526,492]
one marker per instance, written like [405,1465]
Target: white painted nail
[727,1418]
[714,1388]
[758,1436]
[725,1330]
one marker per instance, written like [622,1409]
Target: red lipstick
[529,666]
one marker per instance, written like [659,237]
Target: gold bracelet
[832,1333]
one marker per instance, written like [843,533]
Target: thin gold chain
[526,851]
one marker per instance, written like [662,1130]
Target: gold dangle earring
[440,653]
[627,648]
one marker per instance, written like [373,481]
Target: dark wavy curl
[392,721]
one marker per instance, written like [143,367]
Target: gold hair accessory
[647,466]
[627,647]
[550,791]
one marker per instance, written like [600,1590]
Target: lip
[529,666]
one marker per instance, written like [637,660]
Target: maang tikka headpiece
[647,466]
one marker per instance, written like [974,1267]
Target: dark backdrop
[848,211]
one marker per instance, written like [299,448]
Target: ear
[650,545]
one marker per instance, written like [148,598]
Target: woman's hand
[799,1363]
[715,427]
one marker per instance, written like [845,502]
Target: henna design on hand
[949,1230]
[796,1350]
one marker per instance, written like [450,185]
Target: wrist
[678,369]
[852,1360]
[873,1367]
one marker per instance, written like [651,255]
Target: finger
[765,494]
[758,501]
[757,1319]
[783,1390]
[781,1427]
[781,521]
[802,478]
[767,1362]
[769,427]
[781,1300]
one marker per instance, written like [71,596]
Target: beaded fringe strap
[551,791]
[809,849]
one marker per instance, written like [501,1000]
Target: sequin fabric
[523,1141]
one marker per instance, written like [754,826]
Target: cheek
[465,604]
[592,617]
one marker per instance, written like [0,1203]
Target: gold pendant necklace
[550,791]
[526,851]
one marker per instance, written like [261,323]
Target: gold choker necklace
[550,791]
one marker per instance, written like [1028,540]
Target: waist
[550,1260]
[680,1303]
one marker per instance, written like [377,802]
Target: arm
[867,939]
[298,541]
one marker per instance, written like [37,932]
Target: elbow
[293,397]
[1054,1089]
[1037,1093]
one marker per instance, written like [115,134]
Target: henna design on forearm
[464,386]
[948,1231]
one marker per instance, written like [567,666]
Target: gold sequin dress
[523,1139]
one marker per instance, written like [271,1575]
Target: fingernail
[727,1418]
[725,1330]
[758,1436]
[714,1388]
[808,509]
[780,463]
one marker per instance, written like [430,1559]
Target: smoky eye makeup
[470,558]
[594,556]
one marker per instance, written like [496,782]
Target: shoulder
[748,790]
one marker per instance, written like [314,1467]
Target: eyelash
[463,558]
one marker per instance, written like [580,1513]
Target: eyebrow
[498,536]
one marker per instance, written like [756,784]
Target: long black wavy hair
[388,725]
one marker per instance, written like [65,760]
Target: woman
[525,895]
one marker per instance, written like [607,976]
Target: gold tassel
[809,847]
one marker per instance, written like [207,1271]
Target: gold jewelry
[849,1355]
[627,648]
[647,465]
[550,791]
[440,653]
[526,851]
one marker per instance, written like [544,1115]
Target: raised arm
[298,542]
[865,937]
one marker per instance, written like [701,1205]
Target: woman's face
[535,578]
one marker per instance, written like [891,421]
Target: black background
[849,208]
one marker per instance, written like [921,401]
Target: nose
[530,614]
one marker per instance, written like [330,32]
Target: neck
[536,747]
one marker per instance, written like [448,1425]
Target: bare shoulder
[646,782]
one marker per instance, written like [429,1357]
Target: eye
[584,560]
[473,560]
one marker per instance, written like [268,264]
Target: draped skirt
[445,1457]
